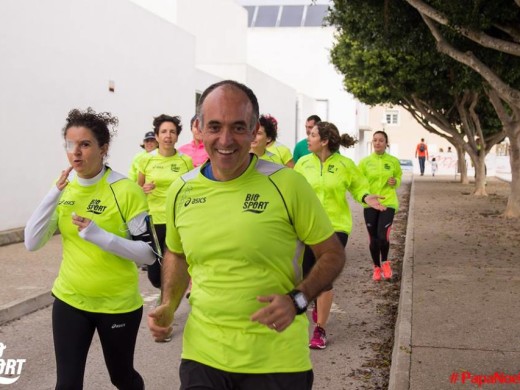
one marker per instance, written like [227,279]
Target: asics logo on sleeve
[252,204]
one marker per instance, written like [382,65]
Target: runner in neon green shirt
[156,173]
[149,145]
[266,133]
[331,175]
[244,256]
[282,152]
[102,219]
[383,172]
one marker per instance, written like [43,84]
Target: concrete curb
[24,306]
[11,236]
[402,350]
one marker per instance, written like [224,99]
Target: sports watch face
[300,300]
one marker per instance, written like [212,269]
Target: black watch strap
[299,300]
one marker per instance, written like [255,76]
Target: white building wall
[277,99]
[220,28]
[60,54]
[166,9]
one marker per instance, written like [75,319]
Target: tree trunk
[513,203]
[480,174]
[461,164]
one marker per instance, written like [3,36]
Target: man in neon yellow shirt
[244,257]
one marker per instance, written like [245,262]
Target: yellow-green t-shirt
[378,168]
[133,172]
[162,171]
[281,151]
[244,238]
[268,156]
[90,278]
[331,180]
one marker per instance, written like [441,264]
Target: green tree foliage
[485,36]
[387,55]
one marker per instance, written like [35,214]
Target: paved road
[354,329]
[30,338]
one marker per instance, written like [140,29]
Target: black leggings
[154,270]
[379,224]
[73,330]
[309,260]
[198,376]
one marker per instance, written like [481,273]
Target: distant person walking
[421,152]
[301,149]
[383,173]
[102,218]
[434,166]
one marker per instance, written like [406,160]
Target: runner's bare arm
[330,260]
[174,280]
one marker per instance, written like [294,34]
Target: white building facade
[140,58]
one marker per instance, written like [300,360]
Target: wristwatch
[300,301]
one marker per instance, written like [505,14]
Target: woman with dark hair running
[331,175]
[383,173]
[102,217]
[156,173]
[266,133]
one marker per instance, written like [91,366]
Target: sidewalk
[458,309]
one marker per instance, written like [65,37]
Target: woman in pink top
[195,149]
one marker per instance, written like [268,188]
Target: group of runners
[258,241]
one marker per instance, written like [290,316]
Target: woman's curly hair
[159,120]
[270,125]
[98,123]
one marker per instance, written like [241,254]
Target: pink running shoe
[319,338]
[376,277]
[387,269]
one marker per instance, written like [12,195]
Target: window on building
[315,15]
[286,15]
[392,117]
[250,13]
[291,16]
[267,16]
